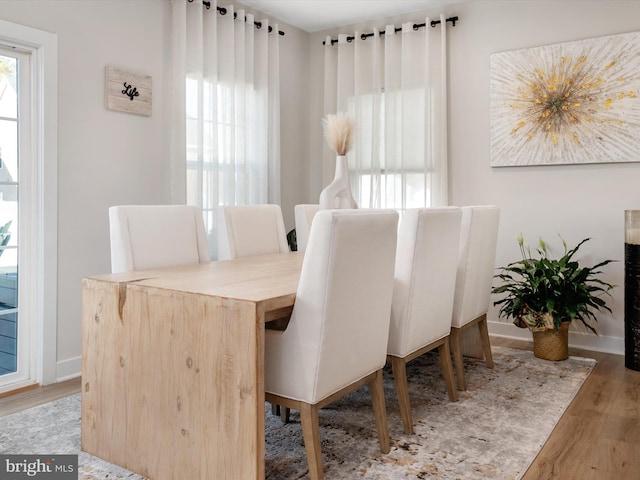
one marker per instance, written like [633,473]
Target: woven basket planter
[552,344]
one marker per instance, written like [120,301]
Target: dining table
[173,365]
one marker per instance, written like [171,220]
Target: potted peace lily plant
[546,294]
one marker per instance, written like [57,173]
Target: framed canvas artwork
[569,103]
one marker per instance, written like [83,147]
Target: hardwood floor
[37,396]
[598,437]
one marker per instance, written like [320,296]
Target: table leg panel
[103,425]
[191,386]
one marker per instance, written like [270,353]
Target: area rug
[494,431]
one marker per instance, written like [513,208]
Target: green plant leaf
[533,288]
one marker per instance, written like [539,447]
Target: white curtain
[225,109]
[394,87]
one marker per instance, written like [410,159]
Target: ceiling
[317,15]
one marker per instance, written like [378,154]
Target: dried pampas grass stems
[338,130]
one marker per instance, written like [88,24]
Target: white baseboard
[596,343]
[68,369]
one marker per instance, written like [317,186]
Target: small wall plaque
[128,91]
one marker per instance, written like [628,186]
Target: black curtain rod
[223,11]
[416,26]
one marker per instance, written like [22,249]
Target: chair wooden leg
[285,413]
[456,346]
[376,388]
[399,368]
[311,436]
[486,344]
[447,370]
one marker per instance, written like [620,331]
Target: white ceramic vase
[338,193]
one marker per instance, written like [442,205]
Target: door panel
[13,360]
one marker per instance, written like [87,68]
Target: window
[224,139]
[392,161]
[9,187]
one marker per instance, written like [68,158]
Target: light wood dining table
[173,366]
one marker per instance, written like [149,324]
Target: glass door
[10,341]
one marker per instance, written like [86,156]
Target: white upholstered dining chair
[303,214]
[424,285]
[336,340]
[143,237]
[478,239]
[248,230]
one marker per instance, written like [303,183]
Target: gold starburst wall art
[573,102]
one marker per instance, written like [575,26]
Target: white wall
[104,157]
[294,120]
[576,201]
